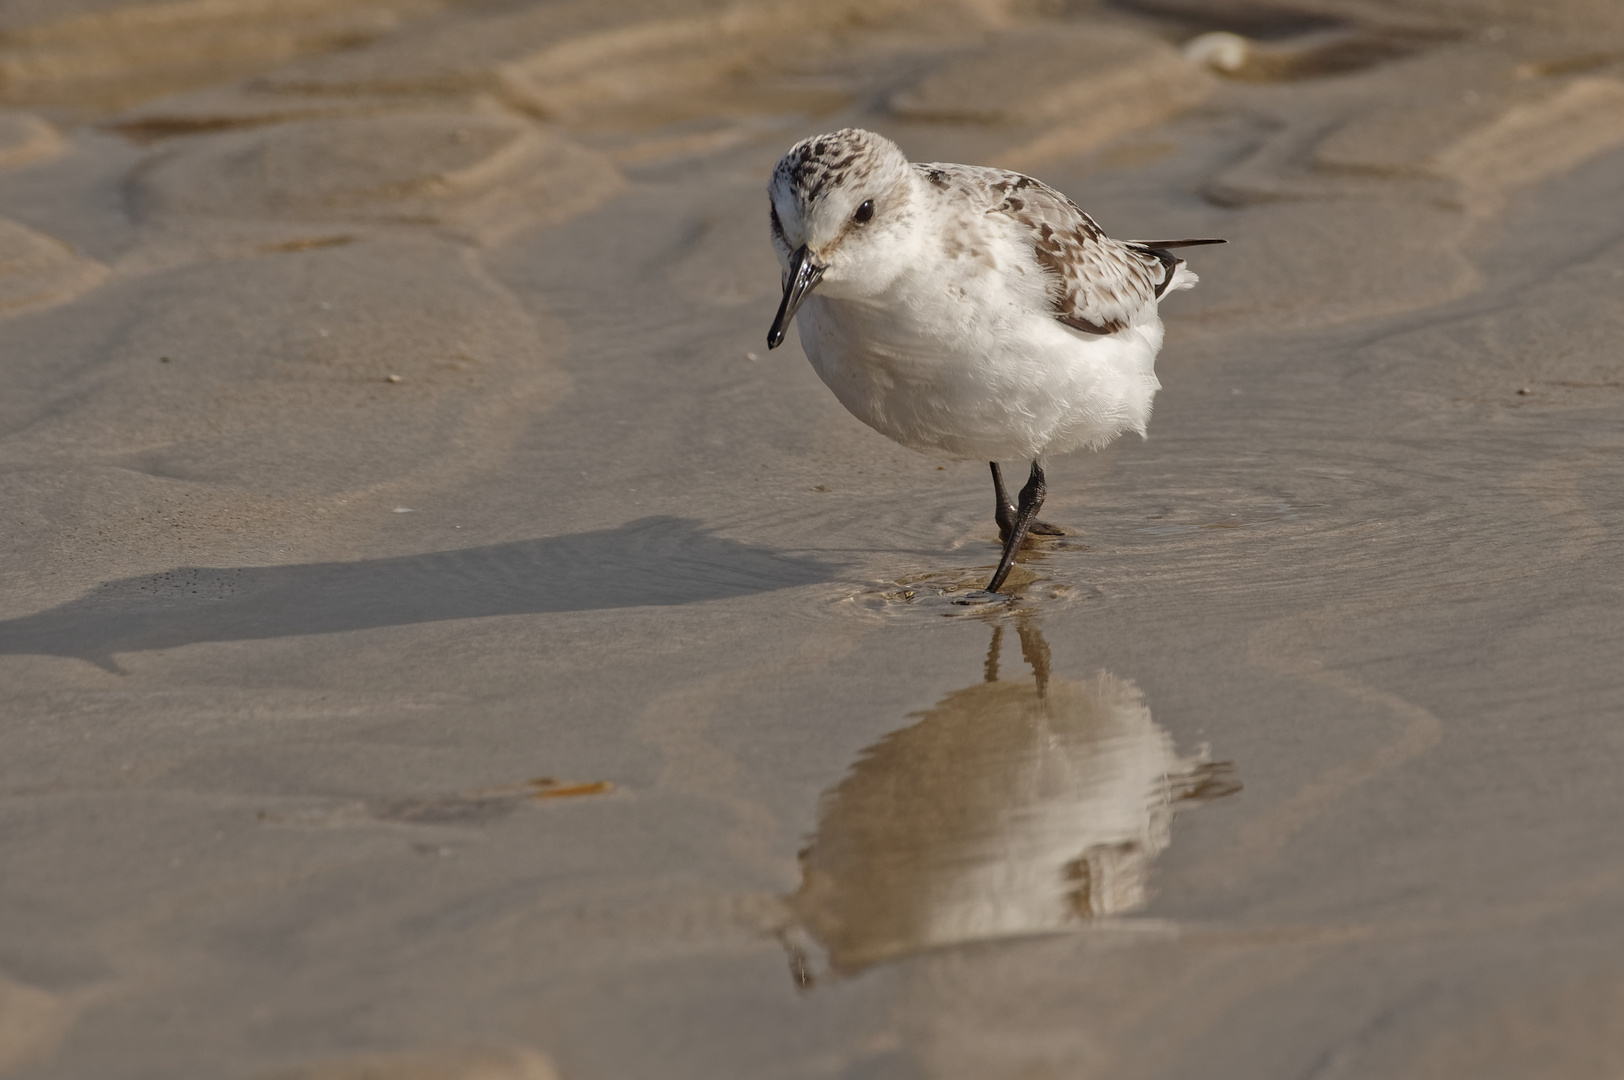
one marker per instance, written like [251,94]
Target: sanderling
[967,311]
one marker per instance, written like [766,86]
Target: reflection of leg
[991,670]
[1036,651]
[1005,514]
[800,968]
[1031,499]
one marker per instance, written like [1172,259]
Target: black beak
[804,274]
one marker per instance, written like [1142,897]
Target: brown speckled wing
[1097,284]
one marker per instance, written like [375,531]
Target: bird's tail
[1178,275]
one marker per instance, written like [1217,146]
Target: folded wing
[1097,285]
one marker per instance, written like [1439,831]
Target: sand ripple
[36,270]
[487,173]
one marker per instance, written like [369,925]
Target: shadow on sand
[652,562]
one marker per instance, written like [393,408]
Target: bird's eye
[864,212]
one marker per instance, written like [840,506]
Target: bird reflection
[1012,807]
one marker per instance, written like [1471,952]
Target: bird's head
[842,213]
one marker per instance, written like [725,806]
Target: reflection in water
[1012,807]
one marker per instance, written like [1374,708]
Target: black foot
[1026,513]
[979,597]
[1006,511]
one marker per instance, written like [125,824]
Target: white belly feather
[981,381]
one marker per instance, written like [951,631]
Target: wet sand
[438,641]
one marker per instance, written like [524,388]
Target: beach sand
[439,642]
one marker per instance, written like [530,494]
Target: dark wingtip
[1164,244]
[775,340]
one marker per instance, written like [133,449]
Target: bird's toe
[981,596]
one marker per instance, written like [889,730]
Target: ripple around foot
[962,592]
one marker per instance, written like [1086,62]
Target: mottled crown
[813,167]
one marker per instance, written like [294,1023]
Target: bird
[967,311]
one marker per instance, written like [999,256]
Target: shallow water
[438,640]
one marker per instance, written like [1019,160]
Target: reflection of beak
[804,274]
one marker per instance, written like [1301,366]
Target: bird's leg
[1036,652]
[1005,514]
[1031,499]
